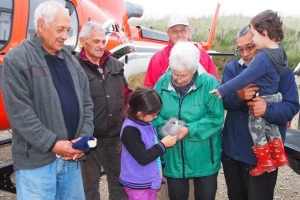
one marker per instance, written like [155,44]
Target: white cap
[178,19]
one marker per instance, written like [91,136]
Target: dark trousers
[107,155]
[205,188]
[242,186]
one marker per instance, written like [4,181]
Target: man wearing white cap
[177,29]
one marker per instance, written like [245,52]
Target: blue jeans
[59,180]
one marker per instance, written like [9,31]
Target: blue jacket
[237,141]
[265,70]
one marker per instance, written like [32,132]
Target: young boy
[264,70]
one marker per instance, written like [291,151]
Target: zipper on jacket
[95,71]
[181,143]
[211,151]
[182,157]
[27,150]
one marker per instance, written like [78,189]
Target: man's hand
[248,92]
[257,106]
[182,133]
[65,150]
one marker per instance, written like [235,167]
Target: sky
[199,8]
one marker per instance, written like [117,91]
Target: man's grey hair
[243,31]
[184,56]
[88,27]
[47,11]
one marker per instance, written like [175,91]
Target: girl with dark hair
[141,172]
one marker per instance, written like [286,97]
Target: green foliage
[227,27]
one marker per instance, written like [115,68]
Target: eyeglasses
[182,31]
[247,48]
[179,77]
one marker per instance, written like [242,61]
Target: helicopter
[133,46]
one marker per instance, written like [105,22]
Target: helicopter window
[5,21]
[73,33]
[108,27]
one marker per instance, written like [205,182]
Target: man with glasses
[237,156]
[177,30]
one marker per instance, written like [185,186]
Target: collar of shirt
[241,61]
[140,122]
[58,54]
[103,59]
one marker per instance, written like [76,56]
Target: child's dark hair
[145,100]
[268,20]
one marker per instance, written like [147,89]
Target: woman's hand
[182,133]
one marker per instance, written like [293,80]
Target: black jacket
[107,95]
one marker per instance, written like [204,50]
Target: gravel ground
[287,187]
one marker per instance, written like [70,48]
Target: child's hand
[169,140]
[215,91]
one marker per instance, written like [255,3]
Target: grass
[227,27]
[136,81]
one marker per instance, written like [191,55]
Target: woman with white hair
[197,153]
